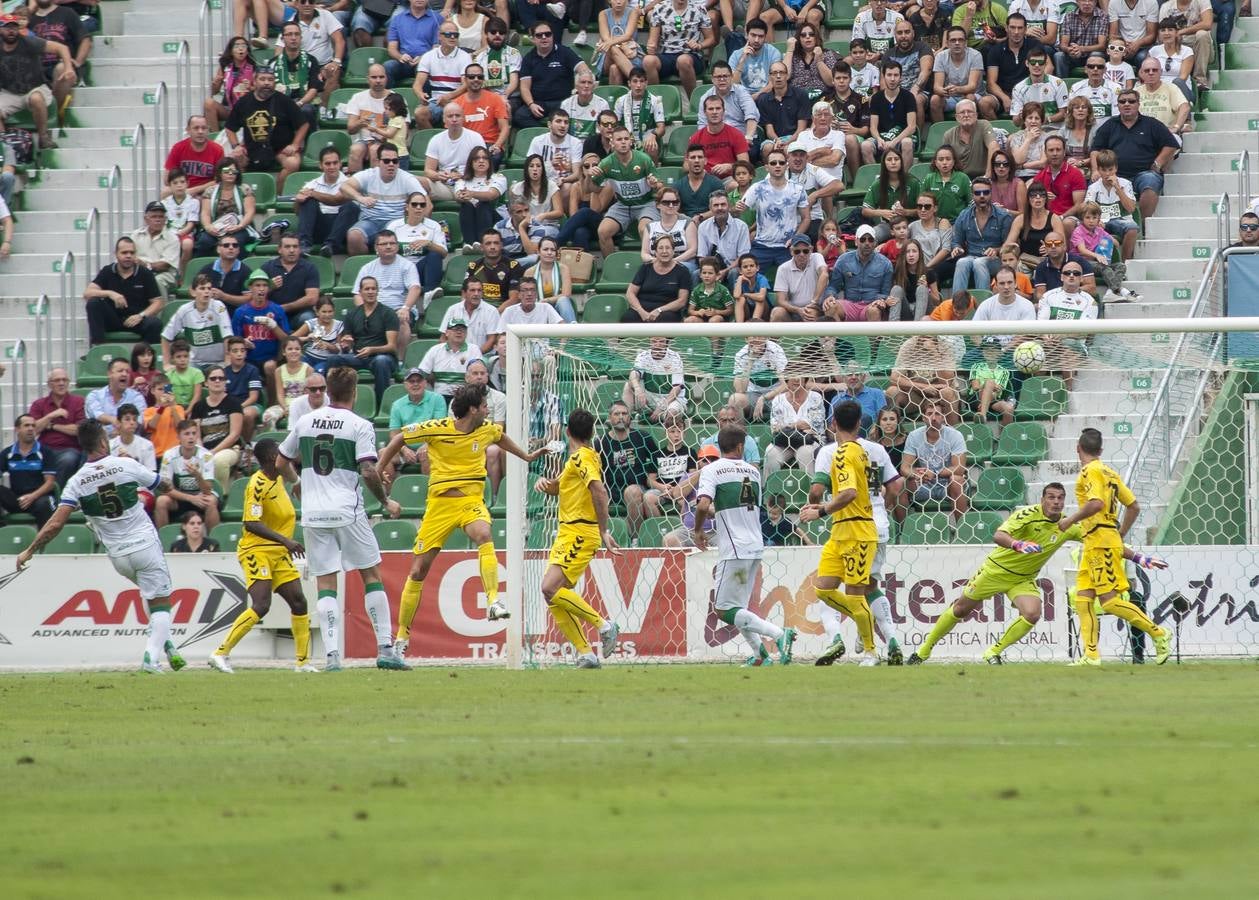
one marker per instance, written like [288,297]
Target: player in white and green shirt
[336,448]
[107,490]
[730,493]
[204,323]
[657,383]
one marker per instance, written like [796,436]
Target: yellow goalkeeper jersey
[855,522]
[266,501]
[577,507]
[1098,481]
[456,459]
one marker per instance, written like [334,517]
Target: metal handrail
[1223,221]
[139,146]
[113,207]
[17,396]
[92,247]
[183,85]
[1243,175]
[205,37]
[69,318]
[161,124]
[39,311]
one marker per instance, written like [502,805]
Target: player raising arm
[336,448]
[583,518]
[730,492]
[1025,542]
[849,551]
[1100,492]
[107,489]
[266,552]
[456,495]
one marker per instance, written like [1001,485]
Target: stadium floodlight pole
[516,478]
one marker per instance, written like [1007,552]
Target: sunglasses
[496,31]
[453,34]
[389,162]
[475,77]
[668,202]
[1000,164]
[216,378]
[982,193]
[229,246]
[316,390]
[1072,272]
[776,162]
[1053,243]
[542,34]
[925,206]
[416,205]
[800,251]
[1036,62]
[1129,102]
[1245,226]
[1096,66]
[866,239]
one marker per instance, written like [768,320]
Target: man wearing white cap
[819,185]
[860,283]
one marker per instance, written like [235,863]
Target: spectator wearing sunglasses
[860,283]
[1248,230]
[439,75]
[547,75]
[1048,274]
[1143,147]
[978,234]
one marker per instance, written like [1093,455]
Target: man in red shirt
[723,144]
[1064,182]
[195,155]
[57,417]
[484,112]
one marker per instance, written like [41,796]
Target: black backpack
[22,142]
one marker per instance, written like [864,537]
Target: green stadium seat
[920,170]
[418,145]
[1042,397]
[1021,444]
[855,349]
[394,534]
[604,308]
[324,137]
[76,539]
[935,137]
[365,403]
[762,435]
[169,309]
[263,184]
[926,528]
[607,393]
[415,352]
[234,504]
[327,273]
[93,370]
[611,92]
[228,536]
[671,98]
[652,531]
[411,492]
[458,540]
[456,269]
[979,442]
[15,538]
[168,534]
[866,176]
[349,272]
[339,96]
[541,532]
[430,327]
[497,505]
[619,270]
[1000,487]
[691,116]
[792,484]
[520,145]
[296,181]
[362,59]
[450,224]
[498,533]
[392,393]
[676,144]
[977,526]
[696,352]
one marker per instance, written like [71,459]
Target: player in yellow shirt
[266,552]
[583,526]
[456,495]
[1100,492]
[849,552]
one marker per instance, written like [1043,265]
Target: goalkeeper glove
[1025,547]
[1149,562]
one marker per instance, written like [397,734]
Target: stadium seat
[978,439]
[365,402]
[263,184]
[696,352]
[15,538]
[854,349]
[652,531]
[866,176]
[458,540]
[327,274]
[72,539]
[394,534]
[234,504]
[935,137]
[671,98]
[95,366]
[692,115]
[450,224]
[411,491]
[540,533]
[1021,444]
[792,484]
[607,393]
[228,536]
[456,269]
[195,265]
[604,308]
[619,270]
[315,144]
[296,181]
[1041,397]
[415,352]
[362,59]
[498,533]
[977,526]
[497,506]
[611,92]
[168,534]
[169,309]
[349,272]
[1001,487]
[430,327]
[926,528]
[675,146]
[392,393]
[520,146]
[418,146]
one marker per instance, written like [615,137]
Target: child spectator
[162,416]
[892,247]
[183,214]
[319,335]
[710,301]
[143,365]
[776,529]
[990,389]
[751,292]
[185,379]
[128,442]
[958,307]
[203,325]
[1012,256]
[830,243]
[1119,74]
[1118,202]
[288,382]
[1091,241]
[189,467]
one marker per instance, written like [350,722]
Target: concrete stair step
[1221,141]
[101,157]
[1094,404]
[1226,121]
[112,117]
[140,46]
[1228,100]
[1206,163]
[99,138]
[34,263]
[28,284]
[1174,248]
[72,200]
[1188,182]
[35,241]
[1185,227]
[81,178]
[133,72]
[112,95]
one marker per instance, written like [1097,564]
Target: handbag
[581,264]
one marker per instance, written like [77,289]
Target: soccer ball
[1029,357]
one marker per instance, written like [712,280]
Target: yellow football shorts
[849,561]
[1101,571]
[267,564]
[988,582]
[443,515]
[573,550]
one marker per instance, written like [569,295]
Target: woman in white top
[543,200]
[1175,60]
[421,240]
[934,235]
[1028,146]
[797,419]
[478,193]
[319,335]
[684,232]
[553,278]
[469,21]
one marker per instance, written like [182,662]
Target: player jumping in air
[266,552]
[1025,542]
[107,489]
[849,552]
[881,478]
[583,516]
[730,492]
[336,447]
[456,495]
[1100,492]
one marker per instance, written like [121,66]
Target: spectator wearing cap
[158,248]
[124,296]
[482,320]
[782,210]
[369,339]
[820,186]
[57,417]
[445,365]
[860,283]
[273,126]
[978,234]
[419,405]
[261,323]
[1143,146]
[22,67]
[800,283]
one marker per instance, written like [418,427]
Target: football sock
[755,640]
[301,637]
[943,626]
[377,603]
[1090,627]
[569,599]
[407,608]
[1015,633]
[857,609]
[159,632]
[328,621]
[830,621]
[881,609]
[571,629]
[245,621]
[489,572]
[746,620]
[1132,614]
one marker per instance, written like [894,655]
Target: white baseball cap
[867,229]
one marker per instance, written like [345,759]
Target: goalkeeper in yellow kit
[266,552]
[456,495]
[583,526]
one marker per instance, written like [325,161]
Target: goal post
[1175,409]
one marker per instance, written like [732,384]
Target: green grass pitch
[670,782]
